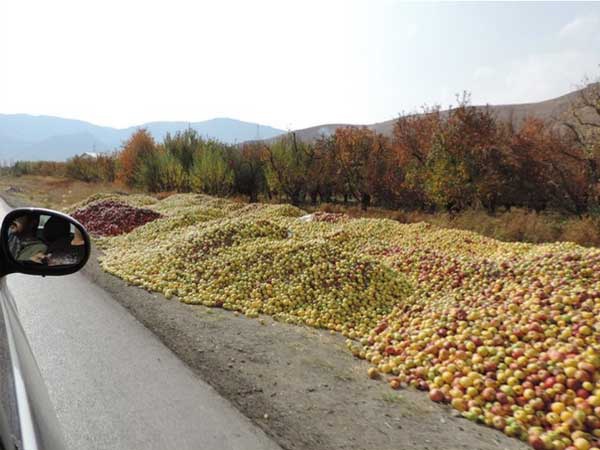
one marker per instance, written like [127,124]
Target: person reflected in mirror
[23,243]
[66,248]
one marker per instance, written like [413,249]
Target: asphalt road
[114,385]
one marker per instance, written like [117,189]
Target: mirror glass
[42,239]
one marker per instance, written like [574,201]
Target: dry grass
[585,231]
[53,192]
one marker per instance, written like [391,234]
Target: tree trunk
[295,197]
[594,201]
[365,201]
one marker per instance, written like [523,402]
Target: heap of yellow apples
[506,333]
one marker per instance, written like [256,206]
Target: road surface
[114,385]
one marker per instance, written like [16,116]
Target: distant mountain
[26,137]
[550,110]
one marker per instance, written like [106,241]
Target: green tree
[249,170]
[289,163]
[212,172]
[184,145]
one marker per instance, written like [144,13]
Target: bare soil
[51,192]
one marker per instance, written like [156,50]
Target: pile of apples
[244,262]
[511,341]
[508,334]
[111,218]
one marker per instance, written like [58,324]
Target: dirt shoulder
[301,385]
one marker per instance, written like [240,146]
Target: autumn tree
[582,121]
[452,160]
[324,179]
[139,146]
[365,163]
[472,140]
[552,168]
[412,140]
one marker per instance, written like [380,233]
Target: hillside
[26,137]
[546,110]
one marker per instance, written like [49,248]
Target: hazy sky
[288,64]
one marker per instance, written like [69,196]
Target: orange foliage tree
[139,146]
[552,167]
[412,140]
[452,160]
[365,164]
[582,122]
[324,178]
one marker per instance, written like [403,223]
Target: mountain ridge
[55,138]
[43,137]
[515,113]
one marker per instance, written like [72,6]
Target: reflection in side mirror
[43,242]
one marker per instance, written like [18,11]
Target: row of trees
[451,161]
[85,168]
[436,160]
[182,162]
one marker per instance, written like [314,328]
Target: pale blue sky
[289,64]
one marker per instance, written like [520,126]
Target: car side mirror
[40,241]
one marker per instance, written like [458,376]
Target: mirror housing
[38,241]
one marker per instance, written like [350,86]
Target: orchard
[507,334]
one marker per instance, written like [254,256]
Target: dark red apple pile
[111,218]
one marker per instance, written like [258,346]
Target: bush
[584,231]
[173,176]
[42,168]
[86,168]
